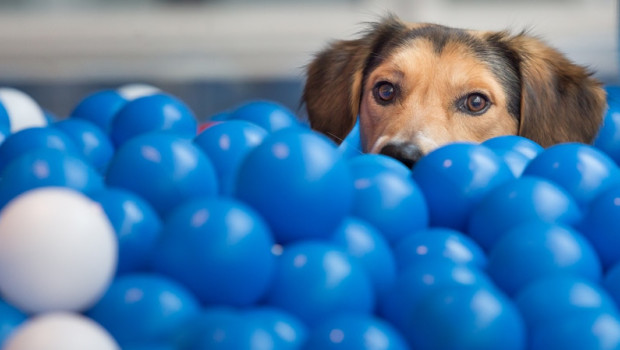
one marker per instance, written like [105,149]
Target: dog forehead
[428,38]
[421,58]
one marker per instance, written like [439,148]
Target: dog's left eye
[474,103]
[384,92]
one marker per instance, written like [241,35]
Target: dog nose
[406,153]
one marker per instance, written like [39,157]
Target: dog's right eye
[384,92]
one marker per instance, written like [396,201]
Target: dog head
[416,87]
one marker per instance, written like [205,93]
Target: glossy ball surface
[539,250]
[601,226]
[99,108]
[287,331]
[433,243]
[454,178]
[468,318]
[580,169]
[136,224]
[594,330]
[552,299]
[608,138]
[355,332]
[362,241]
[30,139]
[314,281]
[386,199]
[420,280]
[164,169]
[269,115]
[159,112]
[299,183]
[140,308]
[517,201]
[220,249]
[227,144]
[44,168]
[92,142]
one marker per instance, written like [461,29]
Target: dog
[418,86]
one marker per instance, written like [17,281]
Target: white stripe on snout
[378,145]
[420,139]
[425,143]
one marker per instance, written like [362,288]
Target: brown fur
[535,91]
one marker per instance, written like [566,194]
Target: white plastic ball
[66,331]
[58,251]
[134,91]
[23,111]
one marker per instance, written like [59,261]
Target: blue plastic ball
[535,250]
[378,161]
[363,241]
[580,169]
[613,93]
[92,142]
[31,139]
[608,138]
[433,243]
[611,282]
[601,226]
[520,144]
[386,199]
[158,112]
[351,146]
[222,330]
[5,132]
[355,332]
[210,325]
[595,331]
[164,169]
[420,280]
[515,202]
[287,331]
[299,183]
[47,167]
[100,107]
[467,318]
[227,144]
[220,249]
[10,318]
[454,178]
[516,161]
[5,121]
[136,224]
[551,299]
[315,280]
[144,308]
[269,115]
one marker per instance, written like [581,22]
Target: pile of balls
[129,225]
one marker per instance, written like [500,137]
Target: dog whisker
[334,136]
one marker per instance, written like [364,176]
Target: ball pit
[247,230]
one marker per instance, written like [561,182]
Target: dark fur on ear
[560,101]
[334,79]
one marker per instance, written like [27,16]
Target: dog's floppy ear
[560,101]
[334,79]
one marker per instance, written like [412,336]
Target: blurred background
[213,54]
